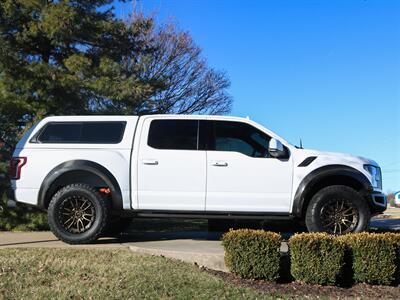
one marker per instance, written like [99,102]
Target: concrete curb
[212,261]
[388,217]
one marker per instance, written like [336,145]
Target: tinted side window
[239,137]
[61,133]
[83,132]
[174,134]
[102,132]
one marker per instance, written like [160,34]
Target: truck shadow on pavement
[166,230]
[145,230]
[151,230]
[385,224]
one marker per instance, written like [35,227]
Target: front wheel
[337,210]
[78,214]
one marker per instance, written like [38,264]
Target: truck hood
[337,157]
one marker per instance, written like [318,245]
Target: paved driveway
[195,246]
[198,247]
[46,239]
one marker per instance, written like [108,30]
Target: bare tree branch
[182,81]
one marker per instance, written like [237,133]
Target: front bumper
[378,202]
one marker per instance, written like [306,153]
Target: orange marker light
[105,190]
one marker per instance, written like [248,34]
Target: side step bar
[208,215]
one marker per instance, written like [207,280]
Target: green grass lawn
[104,274]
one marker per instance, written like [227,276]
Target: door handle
[150,162]
[220,163]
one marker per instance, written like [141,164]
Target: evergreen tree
[76,57]
[69,57]
[64,57]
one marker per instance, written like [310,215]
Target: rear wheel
[337,210]
[78,214]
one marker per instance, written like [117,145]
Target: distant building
[397,198]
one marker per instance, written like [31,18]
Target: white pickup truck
[93,174]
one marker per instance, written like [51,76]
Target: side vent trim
[307,161]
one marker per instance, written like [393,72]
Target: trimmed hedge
[253,253]
[374,256]
[396,239]
[316,258]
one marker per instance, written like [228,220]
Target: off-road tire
[100,206]
[315,216]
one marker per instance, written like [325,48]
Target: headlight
[376,175]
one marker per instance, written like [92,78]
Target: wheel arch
[326,176]
[79,171]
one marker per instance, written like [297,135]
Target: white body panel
[237,182]
[42,158]
[169,179]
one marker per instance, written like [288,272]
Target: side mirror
[276,148]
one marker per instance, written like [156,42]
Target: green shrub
[374,256]
[316,258]
[21,218]
[395,237]
[392,203]
[253,253]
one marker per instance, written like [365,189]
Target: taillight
[16,164]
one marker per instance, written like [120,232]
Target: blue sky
[324,71]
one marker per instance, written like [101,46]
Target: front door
[171,169]
[241,175]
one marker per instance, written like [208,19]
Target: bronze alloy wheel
[339,217]
[76,214]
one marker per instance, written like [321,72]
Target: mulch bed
[359,291]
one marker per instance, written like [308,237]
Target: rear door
[171,169]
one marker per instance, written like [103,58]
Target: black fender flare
[322,173]
[81,165]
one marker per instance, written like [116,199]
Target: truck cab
[94,173]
